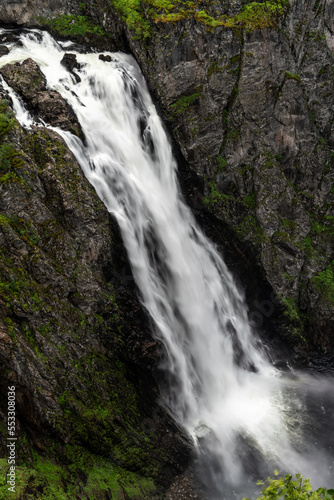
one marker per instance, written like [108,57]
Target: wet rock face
[70,62]
[29,82]
[252,114]
[73,338]
[3,50]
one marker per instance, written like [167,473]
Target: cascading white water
[222,390]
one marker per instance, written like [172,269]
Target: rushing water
[245,417]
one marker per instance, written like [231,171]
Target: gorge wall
[74,340]
[252,113]
[248,100]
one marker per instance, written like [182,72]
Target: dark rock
[70,62]
[29,82]
[4,50]
[53,109]
[25,78]
[105,58]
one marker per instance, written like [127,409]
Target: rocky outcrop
[49,106]
[73,338]
[28,12]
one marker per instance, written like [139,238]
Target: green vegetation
[288,488]
[251,226]
[7,121]
[131,11]
[71,25]
[85,475]
[250,201]
[214,68]
[215,196]
[22,227]
[324,282]
[183,103]
[292,76]
[254,15]
[291,308]
[139,15]
[221,163]
[289,224]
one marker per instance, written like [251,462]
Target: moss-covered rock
[73,339]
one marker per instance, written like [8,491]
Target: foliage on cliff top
[254,15]
[288,488]
[71,25]
[131,11]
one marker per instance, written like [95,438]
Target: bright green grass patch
[132,13]
[71,25]
[137,14]
[51,481]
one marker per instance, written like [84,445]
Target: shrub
[288,488]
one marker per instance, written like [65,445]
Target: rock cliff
[246,91]
[252,113]
[74,340]
[247,94]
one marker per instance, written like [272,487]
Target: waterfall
[222,389]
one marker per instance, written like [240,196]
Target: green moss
[324,70]
[233,134]
[292,76]
[324,282]
[289,224]
[132,13]
[221,163]
[213,68]
[325,228]
[85,476]
[251,226]
[292,311]
[254,15]
[215,196]
[184,103]
[10,327]
[250,201]
[10,158]
[71,25]
[24,229]
[6,123]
